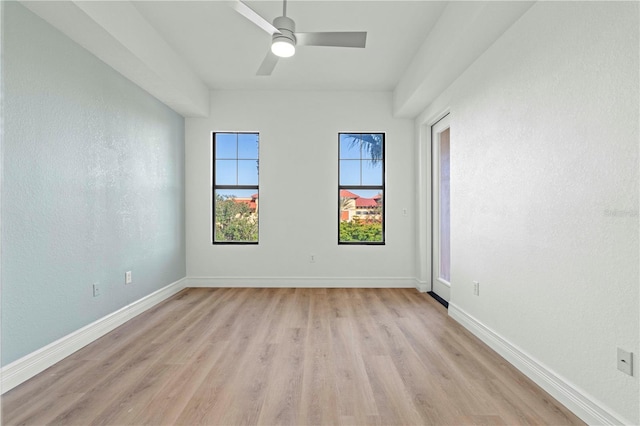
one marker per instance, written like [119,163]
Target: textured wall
[298,188]
[93,187]
[544,192]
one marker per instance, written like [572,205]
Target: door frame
[424,190]
[440,288]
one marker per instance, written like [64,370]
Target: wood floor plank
[249,388]
[170,399]
[43,410]
[393,400]
[318,380]
[282,401]
[167,312]
[353,387]
[286,357]
[57,377]
[353,339]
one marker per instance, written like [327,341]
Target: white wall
[544,181]
[298,192]
[92,186]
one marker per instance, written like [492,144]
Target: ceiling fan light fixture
[283,47]
[283,43]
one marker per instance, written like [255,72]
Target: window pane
[349,147]
[372,146]
[371,172]
[236,216]
[226,173]
[235,185]
[361,188]
[248,146]
[360,215]
[226,145]
[445,228]
[349,172]
[247,172]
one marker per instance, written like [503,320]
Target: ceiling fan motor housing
[287,28]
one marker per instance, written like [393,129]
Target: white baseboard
[302,282]
[579,403]
[28,366]
[423,286]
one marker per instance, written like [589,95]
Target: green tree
[361,230]
[234,221]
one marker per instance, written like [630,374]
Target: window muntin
[361,188]
[235,188]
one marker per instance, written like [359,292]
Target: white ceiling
[179,51]
[225,49]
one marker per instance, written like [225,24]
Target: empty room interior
[320,212]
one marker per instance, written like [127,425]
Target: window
[361,188]
[235,188]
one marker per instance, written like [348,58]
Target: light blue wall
[93,186]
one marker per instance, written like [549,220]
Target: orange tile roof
[348,194]
[366,202]
[250,202]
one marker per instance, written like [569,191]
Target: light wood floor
[285,356]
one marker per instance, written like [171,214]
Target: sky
[237,160]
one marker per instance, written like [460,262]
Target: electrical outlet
[476,288]
[625,361]
[96,290]
[312,258]
[127,277]
[404,212]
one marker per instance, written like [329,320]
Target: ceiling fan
[284,37]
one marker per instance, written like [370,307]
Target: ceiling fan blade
[336,39]
[251,15]
[268,64]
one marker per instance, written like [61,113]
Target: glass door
[441,209]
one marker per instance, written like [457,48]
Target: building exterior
[353,206]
